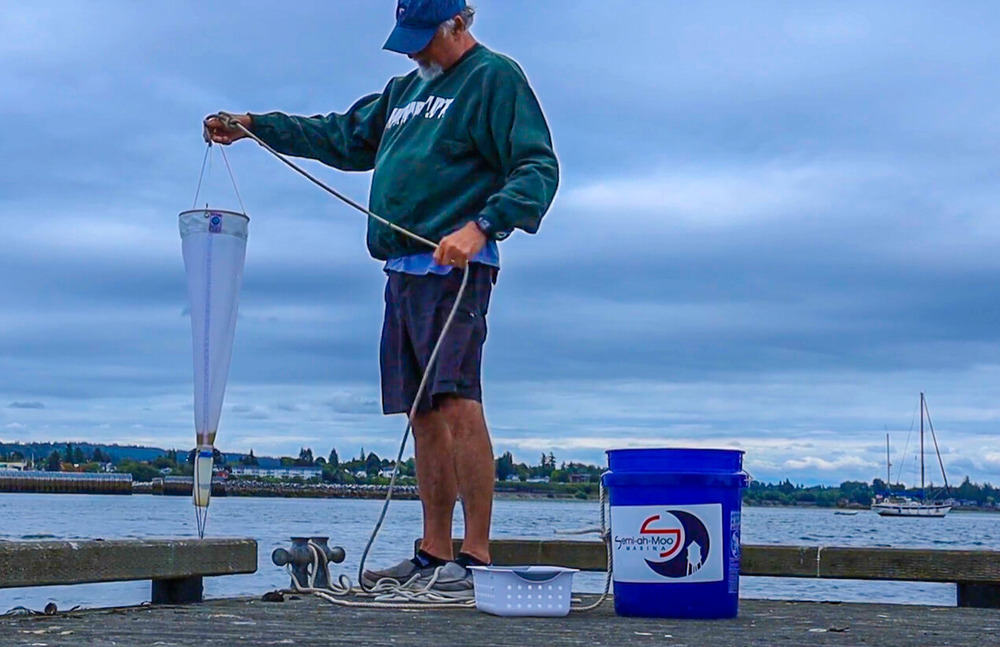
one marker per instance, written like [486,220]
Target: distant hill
[41,451]
[117,452]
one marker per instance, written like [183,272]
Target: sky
[777,224]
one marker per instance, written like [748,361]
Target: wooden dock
[308,621]
[976,573]
[176,568]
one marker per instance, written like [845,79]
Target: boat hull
[910,510]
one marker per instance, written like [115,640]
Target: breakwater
[182,486]
[65,482]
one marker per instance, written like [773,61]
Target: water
[348,522]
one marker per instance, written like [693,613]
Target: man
[462,155]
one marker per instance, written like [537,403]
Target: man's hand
[458,247]
[218,131]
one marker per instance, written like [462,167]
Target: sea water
[348,523]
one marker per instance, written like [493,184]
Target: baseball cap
[417,21]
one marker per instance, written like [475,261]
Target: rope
[233,178]
[204,161]
[231,122]
[201,176]
[388,593]
[606,538]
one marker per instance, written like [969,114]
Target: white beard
[430,71]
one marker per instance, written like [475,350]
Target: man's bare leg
[433,443]
[474,470]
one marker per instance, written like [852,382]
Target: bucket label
[668,543]
[734,552]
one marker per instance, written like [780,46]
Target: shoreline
[410,494]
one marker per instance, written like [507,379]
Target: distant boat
[905,506]
[849,513]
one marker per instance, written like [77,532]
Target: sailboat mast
[888,465]
[921,445]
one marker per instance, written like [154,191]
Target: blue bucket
[675,531]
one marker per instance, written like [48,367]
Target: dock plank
[308,621]
[41,563]
[840,562]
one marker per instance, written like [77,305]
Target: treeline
[369,465]
[860,493]
[548,475]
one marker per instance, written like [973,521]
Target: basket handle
[536,577]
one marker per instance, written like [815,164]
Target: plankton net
[214,244]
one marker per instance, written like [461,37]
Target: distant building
[278,472]
[14,466]
[538,479]
[386,473]
[579,478]
[512,477]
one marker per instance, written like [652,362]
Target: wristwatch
[491,230]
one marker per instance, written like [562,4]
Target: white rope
[606,538]
[233,178]
[201,176]
[231,122]
[409,425]
[204,160]
[388,593]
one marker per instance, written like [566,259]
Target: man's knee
[429,424]
[463,415]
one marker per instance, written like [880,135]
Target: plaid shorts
[416,308]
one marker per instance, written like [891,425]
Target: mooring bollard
[306,554]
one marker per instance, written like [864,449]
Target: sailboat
[904,506]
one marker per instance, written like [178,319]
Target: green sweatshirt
[470,145]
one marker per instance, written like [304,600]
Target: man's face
[427,59]
[431,59]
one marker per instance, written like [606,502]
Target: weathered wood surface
[310,622]
[40,563]
[849,563]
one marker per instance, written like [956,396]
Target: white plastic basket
[523,590]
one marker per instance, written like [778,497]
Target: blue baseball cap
[417,21]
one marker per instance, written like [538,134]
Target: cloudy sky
[777,224]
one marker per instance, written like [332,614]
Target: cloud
[815,462]
[772,232]
[352,403]
[250,412]
[26,405]
[992,459]
[751,195]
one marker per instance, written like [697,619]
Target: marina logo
[673,537]
[679,540]
[680,543]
